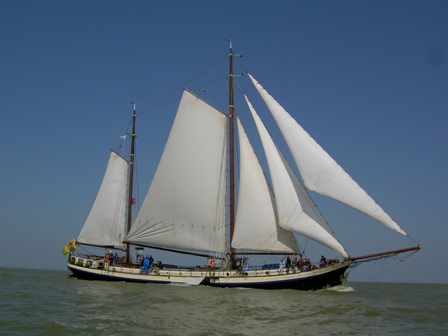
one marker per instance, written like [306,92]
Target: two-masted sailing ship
[195,206]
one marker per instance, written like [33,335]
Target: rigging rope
[385,270]
[154,105]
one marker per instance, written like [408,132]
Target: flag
[134,201]
[70,247]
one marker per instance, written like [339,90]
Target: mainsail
[319,171]
[105,223]
[185,204]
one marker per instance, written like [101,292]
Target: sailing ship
[194,206]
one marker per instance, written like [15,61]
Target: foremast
[131,184]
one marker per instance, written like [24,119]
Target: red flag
[134,201]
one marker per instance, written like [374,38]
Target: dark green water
[46,302]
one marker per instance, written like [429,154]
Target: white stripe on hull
[215,277]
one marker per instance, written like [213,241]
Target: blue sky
[368,80]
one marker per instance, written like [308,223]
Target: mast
[131,182]
[231,153]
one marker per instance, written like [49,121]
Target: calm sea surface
[34,302]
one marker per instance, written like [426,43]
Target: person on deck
[281,266]
[116,257]
[106,260]
[323,261]
[288,264]
[146,265]
[294,263]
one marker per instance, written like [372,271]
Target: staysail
[296,211]
[105,224]
[319,171]
[185,204]
[256,224]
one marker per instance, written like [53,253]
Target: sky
[367,79]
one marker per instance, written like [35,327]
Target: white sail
[105,223]
[296,211]
[256,226]
[319,171]
[185,205]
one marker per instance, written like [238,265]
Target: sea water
[43,302]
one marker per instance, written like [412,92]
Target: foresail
[296,211]
[256,225]
[319,171]
[185,204]
[105,224]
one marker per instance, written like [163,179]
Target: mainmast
[131,182]
[231,153]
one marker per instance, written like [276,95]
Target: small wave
[340,289]
[179,284]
